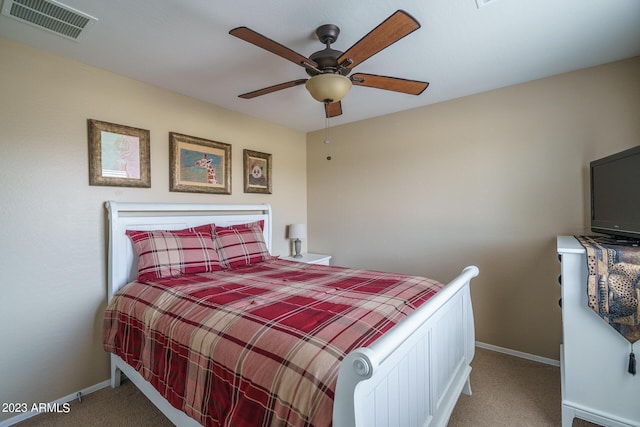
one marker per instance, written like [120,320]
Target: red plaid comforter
[259,345]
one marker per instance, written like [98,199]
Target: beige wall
[52,223]
[488,179]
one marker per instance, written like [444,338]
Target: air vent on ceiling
[51,16]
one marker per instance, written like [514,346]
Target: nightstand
[311,258]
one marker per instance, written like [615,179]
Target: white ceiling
[461,49]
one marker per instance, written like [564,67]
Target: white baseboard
[517,354]
[73,396]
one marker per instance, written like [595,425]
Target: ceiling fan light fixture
[328,88]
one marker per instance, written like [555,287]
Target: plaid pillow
[175,252]
[241,244]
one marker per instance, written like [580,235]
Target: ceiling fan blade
[333,109]
[412,87]
[259,40]
[395,27]
[273,88]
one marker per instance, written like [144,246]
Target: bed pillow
[241,244]
[174,252]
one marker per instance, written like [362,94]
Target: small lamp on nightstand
[297,232]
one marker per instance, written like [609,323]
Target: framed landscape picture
[118,155]
[257,172]
[199,165]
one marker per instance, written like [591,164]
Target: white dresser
[593,357]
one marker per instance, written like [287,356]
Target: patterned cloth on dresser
[614,284]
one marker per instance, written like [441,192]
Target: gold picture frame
[118,155]
[198,165]
[257,172]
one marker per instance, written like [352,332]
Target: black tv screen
[615,194]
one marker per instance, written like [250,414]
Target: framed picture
[198,165]
[257,172]
[118,155]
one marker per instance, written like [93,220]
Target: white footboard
[414,374]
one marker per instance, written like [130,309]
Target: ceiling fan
[329,69]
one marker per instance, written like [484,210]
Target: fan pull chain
[326,137]
[632,362]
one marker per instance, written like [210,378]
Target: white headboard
[123,265]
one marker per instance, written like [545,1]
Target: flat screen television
[615,195]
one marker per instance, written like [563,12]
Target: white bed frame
[411,376]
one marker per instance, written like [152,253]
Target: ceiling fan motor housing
[327,58]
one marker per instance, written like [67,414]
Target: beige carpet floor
[507,391]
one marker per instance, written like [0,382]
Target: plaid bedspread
[260,345]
